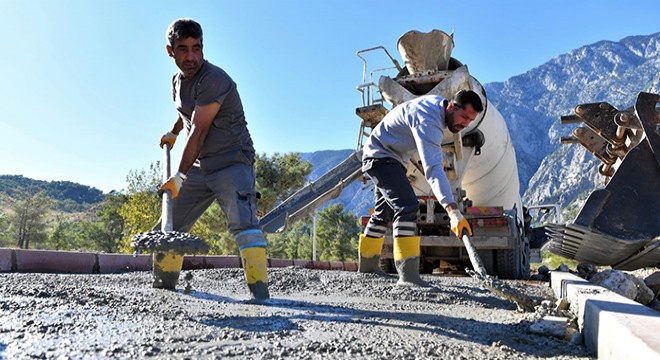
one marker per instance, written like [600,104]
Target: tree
[28,221]
[103,232]
[300,241]
[337,233]
[294,243]
[278,177]
[61,238]
[5,237]
[103,239]
[141,210]
[109,231]
[212,227]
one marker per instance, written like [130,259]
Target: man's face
[459,118]
[187,54]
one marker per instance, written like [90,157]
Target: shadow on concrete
[207,296]
[512,335]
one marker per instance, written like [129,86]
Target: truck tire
[425,267]
[514,263]
[387,265]
[507,264]
[488,259]
[525,265]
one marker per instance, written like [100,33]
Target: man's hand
[168,138]
[174,183]
[458,223]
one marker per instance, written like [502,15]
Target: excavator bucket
[313,195]
[619,225]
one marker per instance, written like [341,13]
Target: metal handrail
[364,84]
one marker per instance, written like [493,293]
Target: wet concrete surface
[313,314]
[171,241]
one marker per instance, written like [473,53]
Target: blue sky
[85,93]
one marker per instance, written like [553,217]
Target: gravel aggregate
[171,241]
[313,314]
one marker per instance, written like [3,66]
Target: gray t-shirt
[415,126]
[228,140]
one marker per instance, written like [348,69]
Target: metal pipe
[570,119]
[568,140]
[167,223]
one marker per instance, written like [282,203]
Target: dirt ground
[313,314]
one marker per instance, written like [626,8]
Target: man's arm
[428,140]
[178,125]
[202,119]
[170,136]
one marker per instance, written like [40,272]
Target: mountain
[356,197]
[532,104]
[67,196]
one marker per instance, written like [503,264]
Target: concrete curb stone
[55,261]
[613,326]
[112,263]
[5,259]
[280,262]
[303,263]
[321,265]
[88,262]
[336,265]
[350,266]
[193,262]
[212,262]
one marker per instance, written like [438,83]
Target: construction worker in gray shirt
[415,126]
[217,163]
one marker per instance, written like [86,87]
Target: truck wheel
[514,264]
[387,265]
[506,263]
[525,256]
[488,259]
[425,267]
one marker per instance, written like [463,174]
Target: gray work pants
[234,189]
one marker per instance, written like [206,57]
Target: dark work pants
[395,199]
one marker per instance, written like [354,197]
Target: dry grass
[553,261]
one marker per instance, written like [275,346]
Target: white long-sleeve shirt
[415,126]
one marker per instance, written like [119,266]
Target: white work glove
[174,183]
[168,138]
[458,222]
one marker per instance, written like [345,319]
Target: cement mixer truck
[479,161]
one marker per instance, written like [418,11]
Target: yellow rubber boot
[256,274]
[406,260]
[167,268]
[369,255]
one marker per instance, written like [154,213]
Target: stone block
[54,261]
[350,266]
[5,260]
[114,263]
[303,263]
[320,265]
[212,262]
[336,265]
[280,262]
[192,262]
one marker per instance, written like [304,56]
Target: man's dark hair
[465,97]
[182,29]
